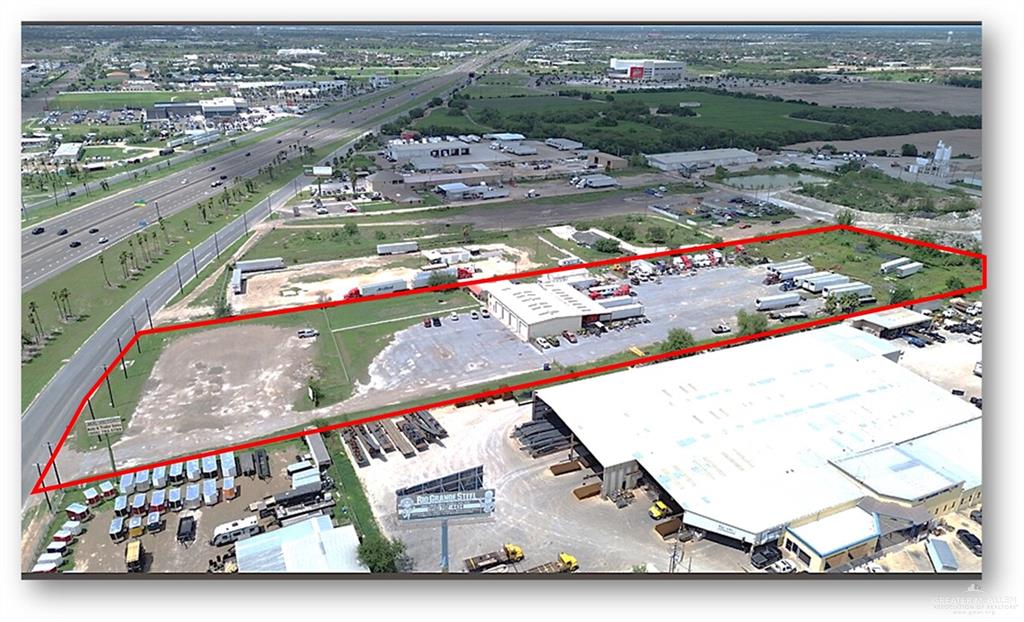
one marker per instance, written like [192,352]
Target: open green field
[123,99]
[874,191]
[858,256]
[447,120]
[114,153]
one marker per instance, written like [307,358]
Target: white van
[232,532]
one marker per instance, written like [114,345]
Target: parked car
[484,313]
[914,341]
[453,316]
[974,340]
[542,343]
[436,321]
[306,333]
[571,338]
[783,566]
[426,322]
[75,244]
[764,556]
[38,230]
[721,329]
[554,341]
[971,541]
[976,516]
[473,315]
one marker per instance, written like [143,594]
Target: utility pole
[444,546]
[194,265]
[110,391]
[56,473]
[216,244]
[39,470]
[138,342]
[181,286]
[124,367]
[148,314]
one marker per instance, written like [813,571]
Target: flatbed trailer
[507,554]
[564,563]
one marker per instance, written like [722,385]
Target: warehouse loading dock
[731,466]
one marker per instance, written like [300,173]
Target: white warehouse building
[754,441]
[706,158]
[533,310]
[645,69]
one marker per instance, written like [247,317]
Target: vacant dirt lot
[905,95]
[962,141]
[212,388]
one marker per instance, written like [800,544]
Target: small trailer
[127,484]
[192,471]
[139,504]
[159,477]
[193,500]
[78,512]
[121,506]
[211,494]
[107,490]
[174,499]
[176,473]
[118,530]
[142,480]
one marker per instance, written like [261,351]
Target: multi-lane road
[45,419]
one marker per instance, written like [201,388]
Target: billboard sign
[636,73]
[322,171]
[107,425]
[439,505]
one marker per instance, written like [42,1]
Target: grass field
[114,153]
[115,100]
[440,118]
[858,256]
[874,191]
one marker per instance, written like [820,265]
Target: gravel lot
[535,509]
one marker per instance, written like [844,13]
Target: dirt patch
[214,387]
[876,94]
[962,141]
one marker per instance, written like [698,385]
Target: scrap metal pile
[409,434]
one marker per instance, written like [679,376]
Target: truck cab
[659,510]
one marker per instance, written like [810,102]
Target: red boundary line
[40,487]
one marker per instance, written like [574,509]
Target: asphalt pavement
[48,415]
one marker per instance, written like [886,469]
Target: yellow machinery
[659,510]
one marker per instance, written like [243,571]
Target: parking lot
[534,509]
[466,352]
[94,551]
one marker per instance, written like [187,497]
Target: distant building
[222,106]
[68,152]
[404,150]
[314,545]
[380,82]
[563,144]
[607,161]
[645,70]
[300,52]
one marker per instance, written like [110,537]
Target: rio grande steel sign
[428,505]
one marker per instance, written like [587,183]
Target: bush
[678,339]
[750,323]
[380,554]
[604,245]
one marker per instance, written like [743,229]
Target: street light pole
[56,473]
[39,470]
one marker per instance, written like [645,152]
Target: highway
[48,415]
[48,254]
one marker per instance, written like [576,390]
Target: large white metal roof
[744,436]
[539,302]
[314,545]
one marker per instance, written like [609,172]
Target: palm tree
[103,267]
[65,295]
[60,307]
[33,316]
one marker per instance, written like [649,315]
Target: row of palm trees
[62,298]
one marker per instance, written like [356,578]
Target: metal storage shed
[211,494]
[321,458]
[228,467]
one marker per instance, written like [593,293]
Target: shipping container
[795,271]
[890,266]
[397,248]
[780,301]
[821,283]
[858,288]
[907,269]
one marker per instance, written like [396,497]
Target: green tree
[908,150]
[440,278]
[954,282]
[750,323]
[844,217]
[351,229]
[380,554]
[678,339]
[604,245]
[900,293]
[626,232]
[658,235]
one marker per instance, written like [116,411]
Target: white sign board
[322,171]
[107,425]
[428,505]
